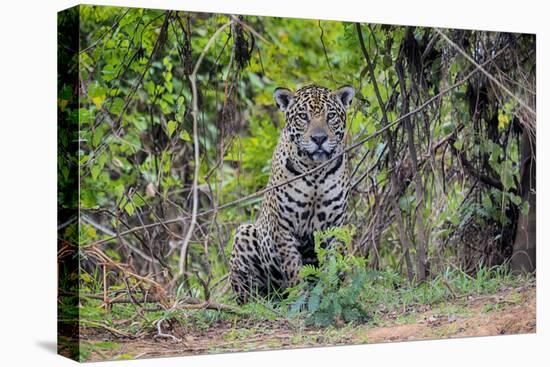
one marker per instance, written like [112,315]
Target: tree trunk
[524,249]
[422,242]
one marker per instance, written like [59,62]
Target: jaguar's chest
[314,202]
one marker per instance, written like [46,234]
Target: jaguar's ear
[283,98]
[345,95]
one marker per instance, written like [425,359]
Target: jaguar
[267,255]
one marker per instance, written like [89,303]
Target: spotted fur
[268,255]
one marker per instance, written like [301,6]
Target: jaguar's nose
[319,138]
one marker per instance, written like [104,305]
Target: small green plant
[331,293]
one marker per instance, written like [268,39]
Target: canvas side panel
[67,182]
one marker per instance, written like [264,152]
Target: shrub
[331,293]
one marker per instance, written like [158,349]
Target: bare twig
[353,146]
[161,39]
[109,232]
[325,51]
[195,114]
[110,329]
[252,30]
[115,24]
[405,241]
[489,75]
[160,334]
[124,268]
[422,243]
[195,304]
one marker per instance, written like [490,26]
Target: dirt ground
[511,311]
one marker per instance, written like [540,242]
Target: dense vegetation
[176,130]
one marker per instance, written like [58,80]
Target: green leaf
[503,120]
[140,123]
[118,191]
[333,271]
[96,90]
[315,298]
[350,314]
[185,136]
[297,305]
[406,202]
[97,93]
[448,127]
[515,199]
[322,319]
[129,208]
[84,116]
[507,178]
[525,208]
[308,270]
[95,171]
[172,125]
[336,307]
[487,203]
[117,106]
[458,144]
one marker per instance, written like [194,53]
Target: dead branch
[405,241]
[160,334]
[250,29]
[468,166]
[110,329]
[422,245]
[487,74]
[319,167]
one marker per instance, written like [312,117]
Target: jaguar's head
[315,119]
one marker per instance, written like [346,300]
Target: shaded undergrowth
[383,292]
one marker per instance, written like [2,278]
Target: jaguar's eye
[303,116]
[331,115]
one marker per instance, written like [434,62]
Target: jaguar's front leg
[247,274]
[291,259]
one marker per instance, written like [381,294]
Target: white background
[28,181]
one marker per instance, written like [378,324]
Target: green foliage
[331,292]
[126,120]
[253,152]
[343,290]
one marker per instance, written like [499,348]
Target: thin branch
[186,304]
[115,24]
[325,51]
[160,334]
[105,230]
[159,43]
[489,75]
[405,241]
[487,180]
[110,329]
[422,244]
[319,167]
[252,30]
[195,115]
[370,66]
